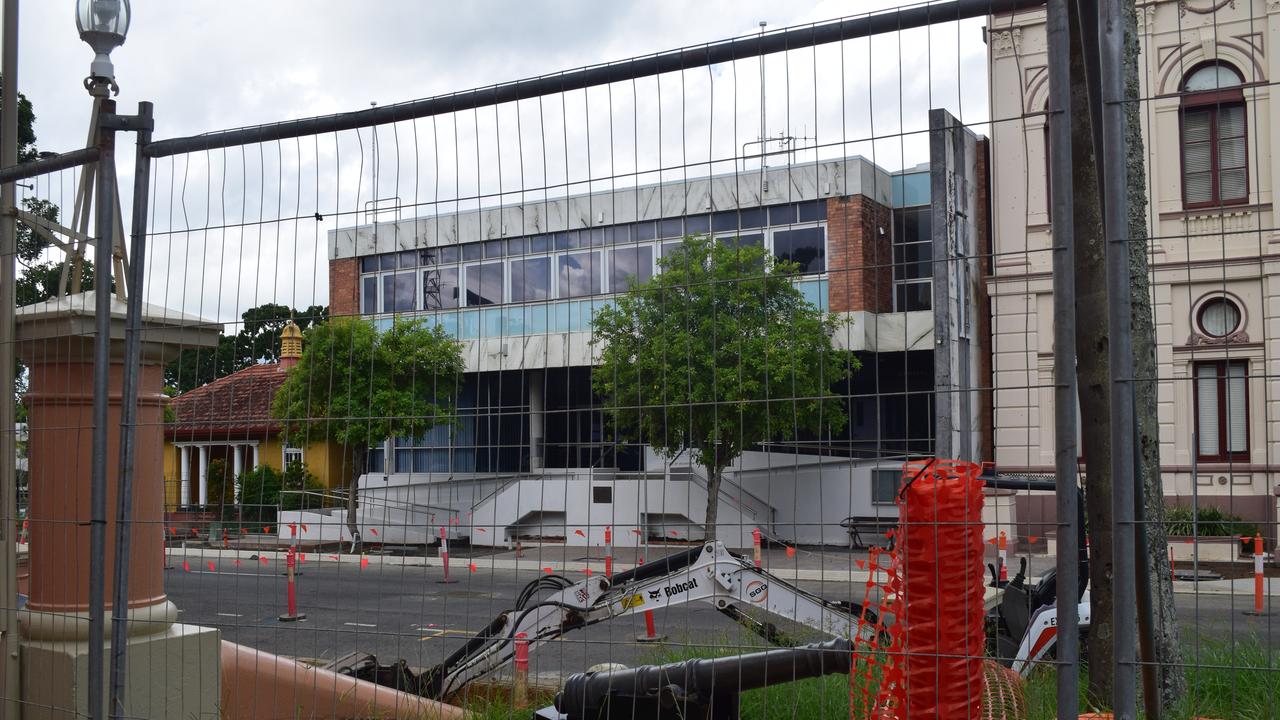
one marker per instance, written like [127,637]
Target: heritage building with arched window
[1207,68]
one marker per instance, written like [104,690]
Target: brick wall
[861,257]
[344,287]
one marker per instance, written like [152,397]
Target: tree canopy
[257,341]
[357,385]
[718,352]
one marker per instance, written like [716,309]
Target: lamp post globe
[102,24]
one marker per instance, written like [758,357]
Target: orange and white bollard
[521,665]
[755,545]
[608,551]
[444,556]
[290,564]
[1259,580]
[650,629]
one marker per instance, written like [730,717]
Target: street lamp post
[102,24]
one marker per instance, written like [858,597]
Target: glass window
[446,254]
[671,227]
[531,279]
[387,261]
[472,251]
[756,239]
[697,225]
[1222,417]
[811,211]
[567,240]
[724,221]
[1219,317]
[408,259]
[884,486]
[375,461]
[399,292]
[369,263]
[1214,76]
[369,294]
[594,237]
[913,296]
[440,288]
[913,261]
[618,234]
[493,248]
[517,246]
[579,274]
[484,284]
[751,218]
[630,266]
[804,246]
[1215,163]
[645,231]
[540,243]
[292,455]
[782,214]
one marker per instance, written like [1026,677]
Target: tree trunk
[357,466]
[1093,376]
[1166,650]
[713,496]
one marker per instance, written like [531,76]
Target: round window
[1219,317]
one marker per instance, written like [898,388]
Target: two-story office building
[531,454]
[1207,68]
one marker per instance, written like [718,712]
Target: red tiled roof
[235,405]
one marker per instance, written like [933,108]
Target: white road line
[351,624]
[228,614]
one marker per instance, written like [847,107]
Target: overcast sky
[220,247]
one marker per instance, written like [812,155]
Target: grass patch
[823,697]
[1230,681]
[1239,681]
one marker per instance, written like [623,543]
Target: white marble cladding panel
[836,178]
[529,352]
[885,332]
[860,331]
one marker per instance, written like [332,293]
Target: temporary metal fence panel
[431,397]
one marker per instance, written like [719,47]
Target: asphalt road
[405,612]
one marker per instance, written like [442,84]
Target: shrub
[1210,521]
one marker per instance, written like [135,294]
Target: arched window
[1215,154]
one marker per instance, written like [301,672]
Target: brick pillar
[859,240]
[344,287]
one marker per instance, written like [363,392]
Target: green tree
[258,340]
[357,386]
[717,353]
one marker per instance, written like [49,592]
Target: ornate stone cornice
[1239,337]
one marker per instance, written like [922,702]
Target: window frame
[1213,101]
[286,451]
[876,474]
[1224,454]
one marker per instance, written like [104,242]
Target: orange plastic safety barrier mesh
[930,592]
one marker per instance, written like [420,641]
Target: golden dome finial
[291,341]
